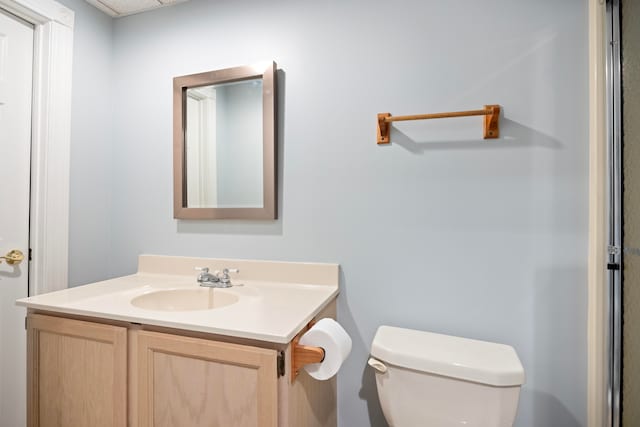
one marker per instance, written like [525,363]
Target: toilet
[434,380]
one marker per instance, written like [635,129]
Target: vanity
[157,349]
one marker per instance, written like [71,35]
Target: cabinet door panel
[77,373]
[195,382]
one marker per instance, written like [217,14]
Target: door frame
[50,140]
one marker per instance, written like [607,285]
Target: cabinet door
[189,382]
[77,373]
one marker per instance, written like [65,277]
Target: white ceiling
[118,8]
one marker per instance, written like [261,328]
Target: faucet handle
[203,269]
[224,278]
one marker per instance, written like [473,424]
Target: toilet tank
[439,380]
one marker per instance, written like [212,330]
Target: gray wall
[91,144]
[440,230]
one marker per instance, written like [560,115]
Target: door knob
[13,257]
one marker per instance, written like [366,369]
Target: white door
[16,58]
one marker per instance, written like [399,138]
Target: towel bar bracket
[384,128]
[491,122]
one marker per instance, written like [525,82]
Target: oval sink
[185,299]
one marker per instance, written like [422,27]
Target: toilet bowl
[434,380]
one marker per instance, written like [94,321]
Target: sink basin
[185,299]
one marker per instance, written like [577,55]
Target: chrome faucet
[207,279]
[216,279]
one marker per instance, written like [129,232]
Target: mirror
[224,144]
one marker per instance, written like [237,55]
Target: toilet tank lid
[455,357]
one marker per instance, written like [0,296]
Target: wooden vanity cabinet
[89,373]
[76,373]
[184,381]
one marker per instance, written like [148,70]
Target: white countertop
[272,311]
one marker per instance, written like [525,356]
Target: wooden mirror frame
[269,179]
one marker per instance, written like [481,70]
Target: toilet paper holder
[302,355]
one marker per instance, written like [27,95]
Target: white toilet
[433,380]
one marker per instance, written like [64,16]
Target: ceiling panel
[118,8]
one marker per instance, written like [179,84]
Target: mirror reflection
[223,145]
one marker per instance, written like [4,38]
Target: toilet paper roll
[328,334]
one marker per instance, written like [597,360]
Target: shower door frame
[614,212]
[605,216]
